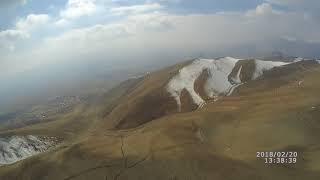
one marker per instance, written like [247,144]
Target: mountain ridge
[219,79]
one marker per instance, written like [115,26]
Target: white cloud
[261,10]
[8,38]
[146,34]
[78,8]
[10,35]
[131,26]
[182,34]
[124,10]
[61,23]
[23,30]
[264,8]
[24,26]
[32,21]
[95,34]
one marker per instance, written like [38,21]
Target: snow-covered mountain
[188,86]
[219,81]
[16,148]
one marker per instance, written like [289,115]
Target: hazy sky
[34,33]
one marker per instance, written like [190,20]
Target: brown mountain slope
[219,141]
[82,118]
[247,67]
[150,99]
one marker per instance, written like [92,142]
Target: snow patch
[298,59]
[233,88]
[139,76]
[16,148]
[304,59]
[262,66]
[217,83]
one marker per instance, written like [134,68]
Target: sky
[40,33]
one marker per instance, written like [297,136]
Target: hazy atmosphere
[45,42]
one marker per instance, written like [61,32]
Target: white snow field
[16,148]
[217,83]
[262,66]
[298,59]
